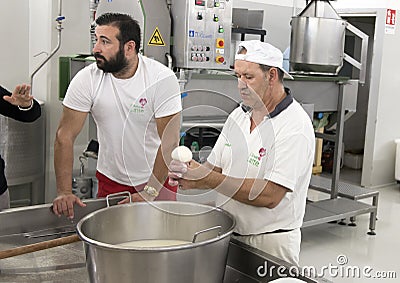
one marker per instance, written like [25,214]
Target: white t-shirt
[280,149]
[124,111]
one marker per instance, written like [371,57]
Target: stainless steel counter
[22,226]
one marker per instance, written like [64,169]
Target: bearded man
[135,103]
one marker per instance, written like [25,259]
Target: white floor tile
[323,244]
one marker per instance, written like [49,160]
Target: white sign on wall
[390,25]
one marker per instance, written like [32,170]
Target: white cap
[262,53]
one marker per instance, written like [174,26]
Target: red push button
[220,42]
[220,59]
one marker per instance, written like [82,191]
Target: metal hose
[59,20]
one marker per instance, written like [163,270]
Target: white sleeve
[290,162]
[167,95]
[79,92]
[215,157]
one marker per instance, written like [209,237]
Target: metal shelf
[336,209]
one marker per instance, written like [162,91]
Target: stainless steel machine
[317,49]
[310,52]
[202,33]
[317,42]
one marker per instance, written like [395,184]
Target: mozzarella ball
[182,154]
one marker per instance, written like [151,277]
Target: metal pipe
[362,65]
[59,20]
[169,58]
[294,10]
[59,7]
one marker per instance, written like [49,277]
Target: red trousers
[107,186]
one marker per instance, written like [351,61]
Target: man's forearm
[63,163]
[160,171]
[168,130]
[256,192]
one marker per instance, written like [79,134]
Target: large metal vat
[317,40]
[203,259]
[317,45]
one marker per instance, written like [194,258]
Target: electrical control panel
[201,33]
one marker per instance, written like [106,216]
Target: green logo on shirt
[136,109]
[253,159]
[139,107]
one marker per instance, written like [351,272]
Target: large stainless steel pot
[318,39]
[317,45]
[202,261]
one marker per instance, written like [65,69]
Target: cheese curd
[182,154]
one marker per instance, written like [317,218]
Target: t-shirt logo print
[138,107]
[143,102]
[262,152]
[255,159]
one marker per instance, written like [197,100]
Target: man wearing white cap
[262,162]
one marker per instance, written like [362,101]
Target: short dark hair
[129,28]
[266,68]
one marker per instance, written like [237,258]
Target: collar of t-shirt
[279,108]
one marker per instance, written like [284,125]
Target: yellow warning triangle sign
[156,39]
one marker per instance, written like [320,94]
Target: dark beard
[114,64]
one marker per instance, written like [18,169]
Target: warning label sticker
[156,39]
